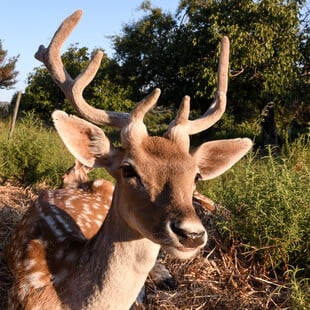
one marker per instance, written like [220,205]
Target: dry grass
[217,279]
[13,203]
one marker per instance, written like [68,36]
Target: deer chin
[181,252]
[172,246]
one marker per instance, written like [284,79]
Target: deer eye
[128,171]
[198,177]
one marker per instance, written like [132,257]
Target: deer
[56,266]
[76,176]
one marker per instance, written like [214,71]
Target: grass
[300,292]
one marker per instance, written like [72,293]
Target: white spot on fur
[96,206]
[98,182]
[80,223]
[86,209]
[98,222]
[29,264]
[35,279]
[84,218]
[100,217]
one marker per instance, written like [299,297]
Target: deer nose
[189,235]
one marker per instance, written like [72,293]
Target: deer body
[57,260]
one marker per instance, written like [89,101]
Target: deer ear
[85,141]
[216,157]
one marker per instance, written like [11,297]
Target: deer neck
[114,265]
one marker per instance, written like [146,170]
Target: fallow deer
[76,176]
[55,266]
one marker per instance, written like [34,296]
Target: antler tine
[177,130]
[223,66]
[145,105]
[217,108]
[182,126]
[183,111]
[136,129]
[73,89]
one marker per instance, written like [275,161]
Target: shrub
[34,154]
[269,203]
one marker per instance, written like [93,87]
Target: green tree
[7,69]
[263,59]
[301,117]
[143,50]
[43,96]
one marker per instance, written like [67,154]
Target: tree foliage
[144,52]
[264,53]
[7,69]
[302,84]
[180,53]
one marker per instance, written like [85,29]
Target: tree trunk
[269,128]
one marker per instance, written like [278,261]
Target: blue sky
[24,25]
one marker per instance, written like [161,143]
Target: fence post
[15,114]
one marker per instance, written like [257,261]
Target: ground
[216,279]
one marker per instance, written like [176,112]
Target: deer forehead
[160,157]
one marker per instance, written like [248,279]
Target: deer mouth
[182,252]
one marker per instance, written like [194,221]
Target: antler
[73,89]
[181,127]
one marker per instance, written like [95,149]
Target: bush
[269,203]
[34,154]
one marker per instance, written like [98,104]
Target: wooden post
[15,114]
